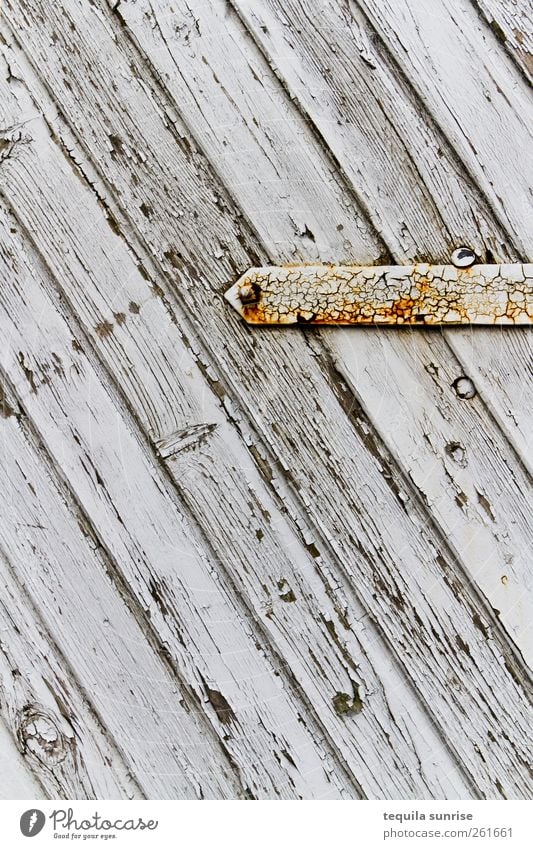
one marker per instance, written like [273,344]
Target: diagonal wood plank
[255,138]
[271,414]
[468,478]
[49,719]
[209,465]
[333,65]
[511,22]
[63,570]
[477,79]
[419,295]
[462,215]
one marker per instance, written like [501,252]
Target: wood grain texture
[510,355]
[511,22]
[53,724]
[476,80]
[210,467]
[157,557]
[17,781]
[377,558]
[368,78]
[70,582]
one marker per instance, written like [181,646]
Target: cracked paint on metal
[419,294]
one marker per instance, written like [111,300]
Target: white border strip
[232,825]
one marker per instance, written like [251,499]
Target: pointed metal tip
[232,297]
[235,294]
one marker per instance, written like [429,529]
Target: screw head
[464,387]
[248,293]
[463,257]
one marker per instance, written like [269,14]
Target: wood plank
[501,366]
[229,704]
[511,22]
[188,71]
[420,294]
[471,76]
[386,141]
[463,214]
[456,458]
[165,387]
[312,470]
[51,723]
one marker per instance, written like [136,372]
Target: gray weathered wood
[172,190]
[511,352]
[146,712]
[211,474]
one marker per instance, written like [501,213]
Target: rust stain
[39,734]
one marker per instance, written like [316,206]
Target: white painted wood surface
[317,576]
[17,779]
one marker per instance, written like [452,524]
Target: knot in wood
[39,734]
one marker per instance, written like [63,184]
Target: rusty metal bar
[393,294]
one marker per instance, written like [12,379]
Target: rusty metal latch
[419,294]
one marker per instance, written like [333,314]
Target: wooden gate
[245,562]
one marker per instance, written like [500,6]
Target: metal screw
[247,293]
[463,257]
[464,387]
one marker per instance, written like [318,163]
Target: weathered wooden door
[242,562]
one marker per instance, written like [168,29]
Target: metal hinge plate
[419,294]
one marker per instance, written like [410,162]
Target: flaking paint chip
[403,294]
